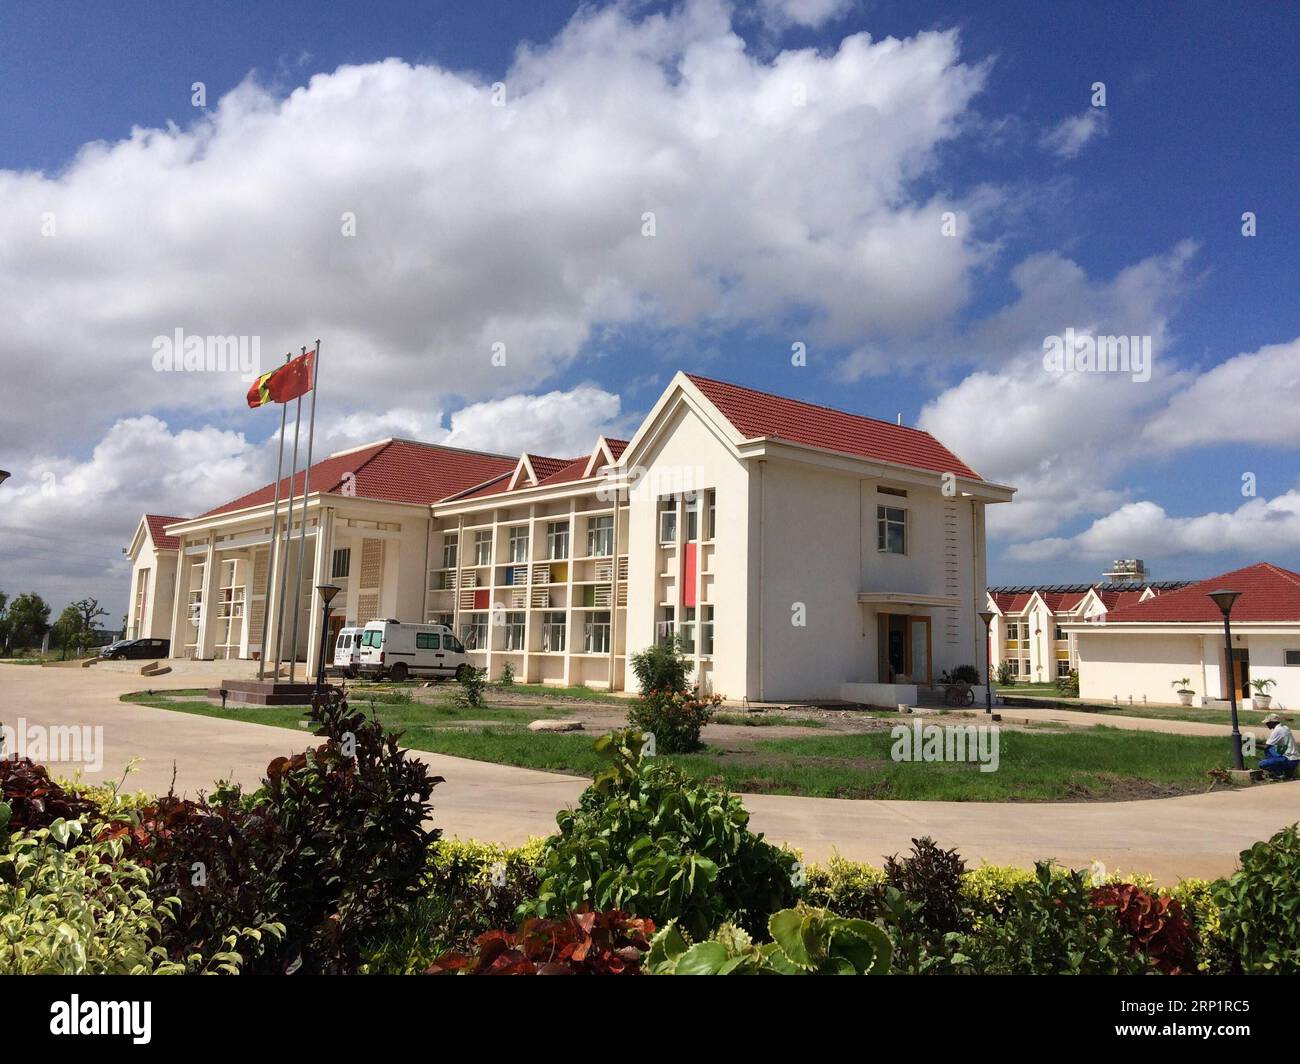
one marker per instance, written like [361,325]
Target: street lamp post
[327,593]
[987,617]
[1224,600]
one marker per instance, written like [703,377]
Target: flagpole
[302,529]
[270,549]
[288,538]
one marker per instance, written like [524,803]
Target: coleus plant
[805,941]
[581,943]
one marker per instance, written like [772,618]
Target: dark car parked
[136,648]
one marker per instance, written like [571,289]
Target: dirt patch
[1122,789]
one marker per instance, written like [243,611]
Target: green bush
[74,907]
[1069,685]
[674,718]
[923,906]
[646,840]
[661,667]
[1049,926]
[1260,907]
[849,888]
[472,682]
[804,941]
[1006,678]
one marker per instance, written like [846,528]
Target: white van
[399,650]
[347,652]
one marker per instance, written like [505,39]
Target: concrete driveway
[1194,835]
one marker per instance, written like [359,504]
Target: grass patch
[1196,714]
[585,694]
[1093,764]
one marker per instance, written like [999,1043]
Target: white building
[1146,649]
[802,552]
[1029,632]
[153,556]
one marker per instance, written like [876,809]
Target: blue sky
[1137,230]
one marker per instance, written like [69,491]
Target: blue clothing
[1277,765]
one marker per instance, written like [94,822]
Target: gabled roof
[753,414]
[1062,601]
[157,523]
[1010,602]
[1268,593]
[392,471]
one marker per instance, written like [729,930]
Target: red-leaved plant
[582,943]
[35,800]
[1155,925]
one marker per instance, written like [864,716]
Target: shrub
[849,888]
[82,909]
[472,681]
[661,667]
[580,943]
[674,718]
[1155,925]
[1068,685]
[922,904]
[960,674]
[508,674]
[646,840]
[36,801]
[333,845]
[1049,927]
[1006,678]
[1259,904]
[805,941]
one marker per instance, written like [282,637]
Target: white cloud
[1252,398]
[779,186]
[810,14]
[1143,528]
[1062,439]
[1069,137]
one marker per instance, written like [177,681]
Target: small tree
[472,682]
[67,632]
[28,617]
[662,667]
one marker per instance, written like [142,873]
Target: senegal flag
[291,380]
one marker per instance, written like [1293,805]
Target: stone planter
[1262,701]
[1185,697]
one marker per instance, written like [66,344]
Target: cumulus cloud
[1144,528]
[1062,438]
[1069,137]
[810,14]
[1266,381]
[774,186]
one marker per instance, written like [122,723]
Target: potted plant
[1185,692]
[1263,699]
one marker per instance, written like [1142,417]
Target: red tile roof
[572,470]
[1116,599]
[162,541]
[1009,603]
[753,413]
[546,467]
[616,447]
[394,471]
[1268,593]
[1062,601]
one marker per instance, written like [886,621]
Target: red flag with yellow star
[291,380]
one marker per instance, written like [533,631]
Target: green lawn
[1192,713]
[1044,765]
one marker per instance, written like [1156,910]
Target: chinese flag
[291,380]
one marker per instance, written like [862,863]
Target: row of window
[600,542]
[596,627]
[1019,630]
[1020,667]
[668,517]
[669,628]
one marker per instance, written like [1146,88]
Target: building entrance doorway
[903,648]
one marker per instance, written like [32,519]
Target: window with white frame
[474,631]
[141,599]
[1291,657]
[519,543]
[666,629]
[1015,666]
[557,540]
[711,509]
[706,631]
[1062,668]
[600,536]
[342,564]
[553,632]
[515,631]
[449,545]
[1060,632]
[891,529]
[483,547]
[668,519]
[1013,631]
[693,520]
[595,633]
[687,630]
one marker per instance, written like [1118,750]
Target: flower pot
[1262,701]
[1185,697]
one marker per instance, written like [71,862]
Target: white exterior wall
[1145,664]
[157,570]
[691,455]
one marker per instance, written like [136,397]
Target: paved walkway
[1195,835]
